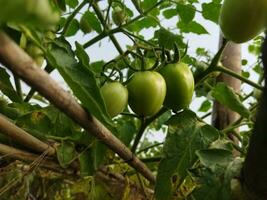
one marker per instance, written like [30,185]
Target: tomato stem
[238,76]
[71,17]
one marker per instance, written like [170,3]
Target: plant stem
[119,29]
[206,115]
[29,95]
[48,69]
[144,124]
[238,76]
[153,159]
[149,147]
[137,37]
[137,6]
[106,28]
[17,85]
[71,17]
[139,135]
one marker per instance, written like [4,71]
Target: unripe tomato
[85,25]
[115,96]
[180,85]
[119,16]
[36,53]
[242,20]
[147,90]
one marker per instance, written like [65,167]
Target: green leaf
[127,128]
[211,11]
[210,187]
[73,28]
[186,12]
[81,54]
[93,21]
[61,4]
[146,22]
[66,153]
[169,13]
[50,123]
[215,158]
[192,27]
[167,39]
[81,80]
[185,136]
[6,86]
[227,96]
[72,3]
[86,164]
[205,106]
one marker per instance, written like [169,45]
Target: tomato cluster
[148,90]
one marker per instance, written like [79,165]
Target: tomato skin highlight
[242,20]
[147,90]
[115,96]
[180,85]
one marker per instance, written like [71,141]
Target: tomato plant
[109,115]
[147,90]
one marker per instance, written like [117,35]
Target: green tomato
[115,96]
[85,25]
[147,90]
[119,16]
[180,85]
[36,53]
[242,20]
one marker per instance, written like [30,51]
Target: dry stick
[24,138]
[28,157]
[21,64]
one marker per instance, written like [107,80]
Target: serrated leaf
[6,86]
[146,22]
[186,12]
[81,80]
[169,13]
[192,27]
[72,3]
[205,106]
[215,158]
[81,54]
[61,4]
[211,11]
[227,96]
[86,164]
[93,21]
[127,128]
[66,153]
[185,136]
[210,187]
[73,28]
[167,39]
